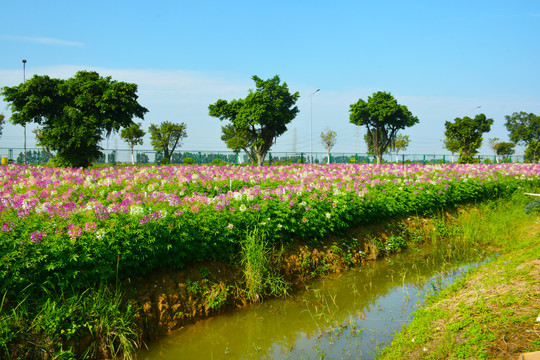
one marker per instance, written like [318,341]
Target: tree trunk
[132,158]
[260,159]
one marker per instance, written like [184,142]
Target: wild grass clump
[261,277]
[96,323]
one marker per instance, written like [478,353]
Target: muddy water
[341,316]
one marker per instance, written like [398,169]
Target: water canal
[348,315]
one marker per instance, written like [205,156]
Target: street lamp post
[311,127]
[24,80]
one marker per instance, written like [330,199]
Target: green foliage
[504,148]
[467,133]
[166,138]
[258,119]
[532,152]
[451,144]
[74,114]
[237,140]
[1,123]
[188,161]
[133,135]
[328,139]
[523,128]
[56,324]
[399,143]
[383,118]
[256,262]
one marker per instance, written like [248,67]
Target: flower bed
[73,227]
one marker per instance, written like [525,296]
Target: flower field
[73,227]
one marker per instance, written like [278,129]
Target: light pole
[24,80]
[311,127]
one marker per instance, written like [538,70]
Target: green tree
[166,138]
[328,139]
[259,118]
[239,140]
[383,118]
[493,142]
[74,114]
[1,123]
[524,129]
[532,151]
[133,135]
[451,145]
[504,148]
[399,143]
[467,133]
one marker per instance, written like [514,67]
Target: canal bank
[460,235]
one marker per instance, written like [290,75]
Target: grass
[260,274]
[96,323]
[491,311]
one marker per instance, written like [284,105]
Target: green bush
[188,161]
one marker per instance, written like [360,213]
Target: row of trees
[464,136]
[76,114]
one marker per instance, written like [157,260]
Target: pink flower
[90,226]
[8,226]
[144,220]
[304,220]
[74,232]
[156,215]
[36,236]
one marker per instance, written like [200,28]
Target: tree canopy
[399,143]
[258,119]
[467,133]
[328,139]
[1,123]
[133,135]
[167,137]
[76,114]
[524,129]
[504,148]
[383,117]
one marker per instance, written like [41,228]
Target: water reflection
[340,316]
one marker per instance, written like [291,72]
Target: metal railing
[141,157]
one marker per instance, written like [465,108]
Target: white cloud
[184,96]
[43,41]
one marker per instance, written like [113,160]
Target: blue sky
[442,59]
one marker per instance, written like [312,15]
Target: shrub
[188,161]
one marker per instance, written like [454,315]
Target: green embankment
[490,312]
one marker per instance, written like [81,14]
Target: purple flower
[90,226]
[36,236]
[156,215]
[74,232]
[8,226]
[144,220]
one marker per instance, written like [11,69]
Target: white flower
[328,215]
[242,208]
[136,210]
